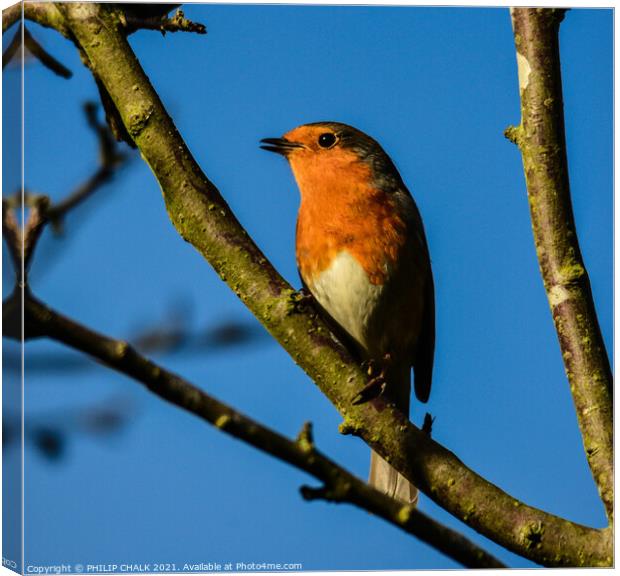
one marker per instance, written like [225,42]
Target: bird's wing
[425,349]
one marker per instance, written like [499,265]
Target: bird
[362,253]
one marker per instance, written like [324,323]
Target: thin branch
[542,142]
[203,218]
[44,57]
[12,48]
[37,218]
[12,234]
[110,159]
[21,242]
[339,485]
[12,306]
[178,23]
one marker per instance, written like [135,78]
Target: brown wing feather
[425,349]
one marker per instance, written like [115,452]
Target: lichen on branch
[542,142]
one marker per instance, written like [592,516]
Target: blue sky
[437,87]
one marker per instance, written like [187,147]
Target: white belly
[347,295]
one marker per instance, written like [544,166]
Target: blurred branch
[542,142]
[36,50]
[110,159]
[37,218]
[12,48]
[12,234]
[50,433]
[44,57]
[338,484]
[40,211]
[203,218]
[161,339]
[22,242]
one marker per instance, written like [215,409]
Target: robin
[362,253]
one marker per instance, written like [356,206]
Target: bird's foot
[374,367]
[427,426]
[377,383]
[372,390]
[299,300]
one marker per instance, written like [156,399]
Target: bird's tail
[382,476]
[386,479]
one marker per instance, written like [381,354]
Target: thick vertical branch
[542,142]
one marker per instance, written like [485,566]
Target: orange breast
[341,209]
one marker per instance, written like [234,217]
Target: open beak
[279,145]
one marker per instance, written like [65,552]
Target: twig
[339,484]
[203,218]
[12,234]
[178,23]
[110,159]
[44,57]
[542,142]
[22,242]
[37,217]
[12,48]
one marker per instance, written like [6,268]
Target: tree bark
[541,139]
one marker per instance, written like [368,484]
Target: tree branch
[12,235]
[110,159]
[541,140]
[134,17]
[44,57]
[203,218]
[339,485]
[36,50]
[178,23]
[21,242]
[12,48]
[43,13]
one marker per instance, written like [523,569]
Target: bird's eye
[327,140]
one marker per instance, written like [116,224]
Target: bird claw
[369,366]
[374,366]
[427,426]
[372,390]
[376,385]
[299,300]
